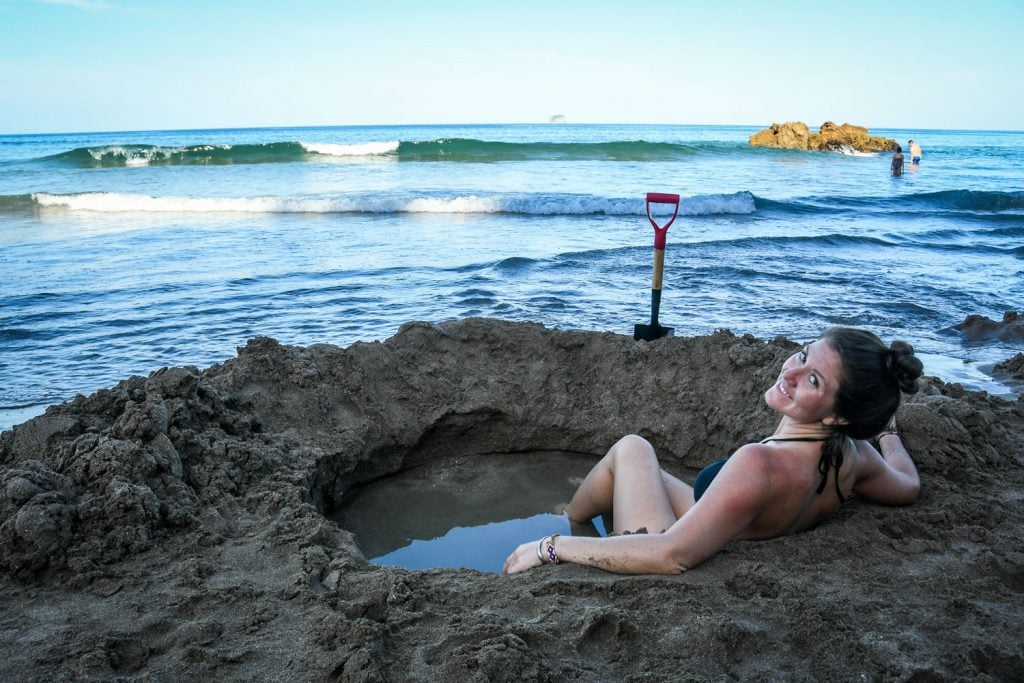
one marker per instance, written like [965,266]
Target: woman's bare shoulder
[752,461]
[752,454]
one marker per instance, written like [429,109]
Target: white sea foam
[709,204]
[145,155]
[132,157]
[112,202]
[98,152]
[850,151]
[534,205]
[338,150]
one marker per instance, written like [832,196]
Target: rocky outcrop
[830,137]
[979,328]
[1011,368]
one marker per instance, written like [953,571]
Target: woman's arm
[889,475]
[737,496]
[628,554]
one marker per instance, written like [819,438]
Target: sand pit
[464,512]
[180,525]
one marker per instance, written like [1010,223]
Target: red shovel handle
[662,231]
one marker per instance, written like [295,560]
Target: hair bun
[904,366]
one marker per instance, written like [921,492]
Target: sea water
[124,252]
[466,512]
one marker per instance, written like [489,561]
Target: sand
[176,526]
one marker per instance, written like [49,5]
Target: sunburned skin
[764,489]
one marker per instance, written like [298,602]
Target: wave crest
[351,150]
[439,150]
[536,205]
[943,201]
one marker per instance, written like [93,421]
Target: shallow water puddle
[463,512]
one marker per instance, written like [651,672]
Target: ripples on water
[772,243]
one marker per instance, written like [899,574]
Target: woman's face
[805,390]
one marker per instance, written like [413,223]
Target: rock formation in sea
[181,526]
[1011,368]
[976,328]
[981,329]
[830,137]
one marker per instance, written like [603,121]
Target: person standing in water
[897,161]
[833,395]
[915,152]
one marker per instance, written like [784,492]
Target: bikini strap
[823,467]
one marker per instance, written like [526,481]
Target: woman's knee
[633,448]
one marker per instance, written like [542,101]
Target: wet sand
[177,525]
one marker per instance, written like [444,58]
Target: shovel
[654,330]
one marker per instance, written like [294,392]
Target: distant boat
[557,118]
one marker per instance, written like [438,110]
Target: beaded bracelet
[552,555]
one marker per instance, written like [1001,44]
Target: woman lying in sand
[833,394]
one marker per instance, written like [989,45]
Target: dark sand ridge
[174,526]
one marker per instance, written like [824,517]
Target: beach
[211,340]
[318,318]
[176,525]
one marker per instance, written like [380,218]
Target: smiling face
[806,388]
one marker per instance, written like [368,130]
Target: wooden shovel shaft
[659,267]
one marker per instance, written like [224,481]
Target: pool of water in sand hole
[466,511]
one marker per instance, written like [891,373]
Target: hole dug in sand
[466,511]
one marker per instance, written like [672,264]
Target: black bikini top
[824,464]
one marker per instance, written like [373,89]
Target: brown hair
[872,378]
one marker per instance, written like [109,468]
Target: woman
[833,394]
[897,161]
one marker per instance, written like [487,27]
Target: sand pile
[176,526]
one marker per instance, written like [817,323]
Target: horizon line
[481,125]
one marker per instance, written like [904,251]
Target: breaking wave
[525,204]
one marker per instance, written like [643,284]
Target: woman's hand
[890,428]
[522,558]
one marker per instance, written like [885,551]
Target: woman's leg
[629,483]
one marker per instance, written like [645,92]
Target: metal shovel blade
[651,332]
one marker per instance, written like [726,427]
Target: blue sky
[99,65]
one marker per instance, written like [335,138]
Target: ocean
[126,252]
